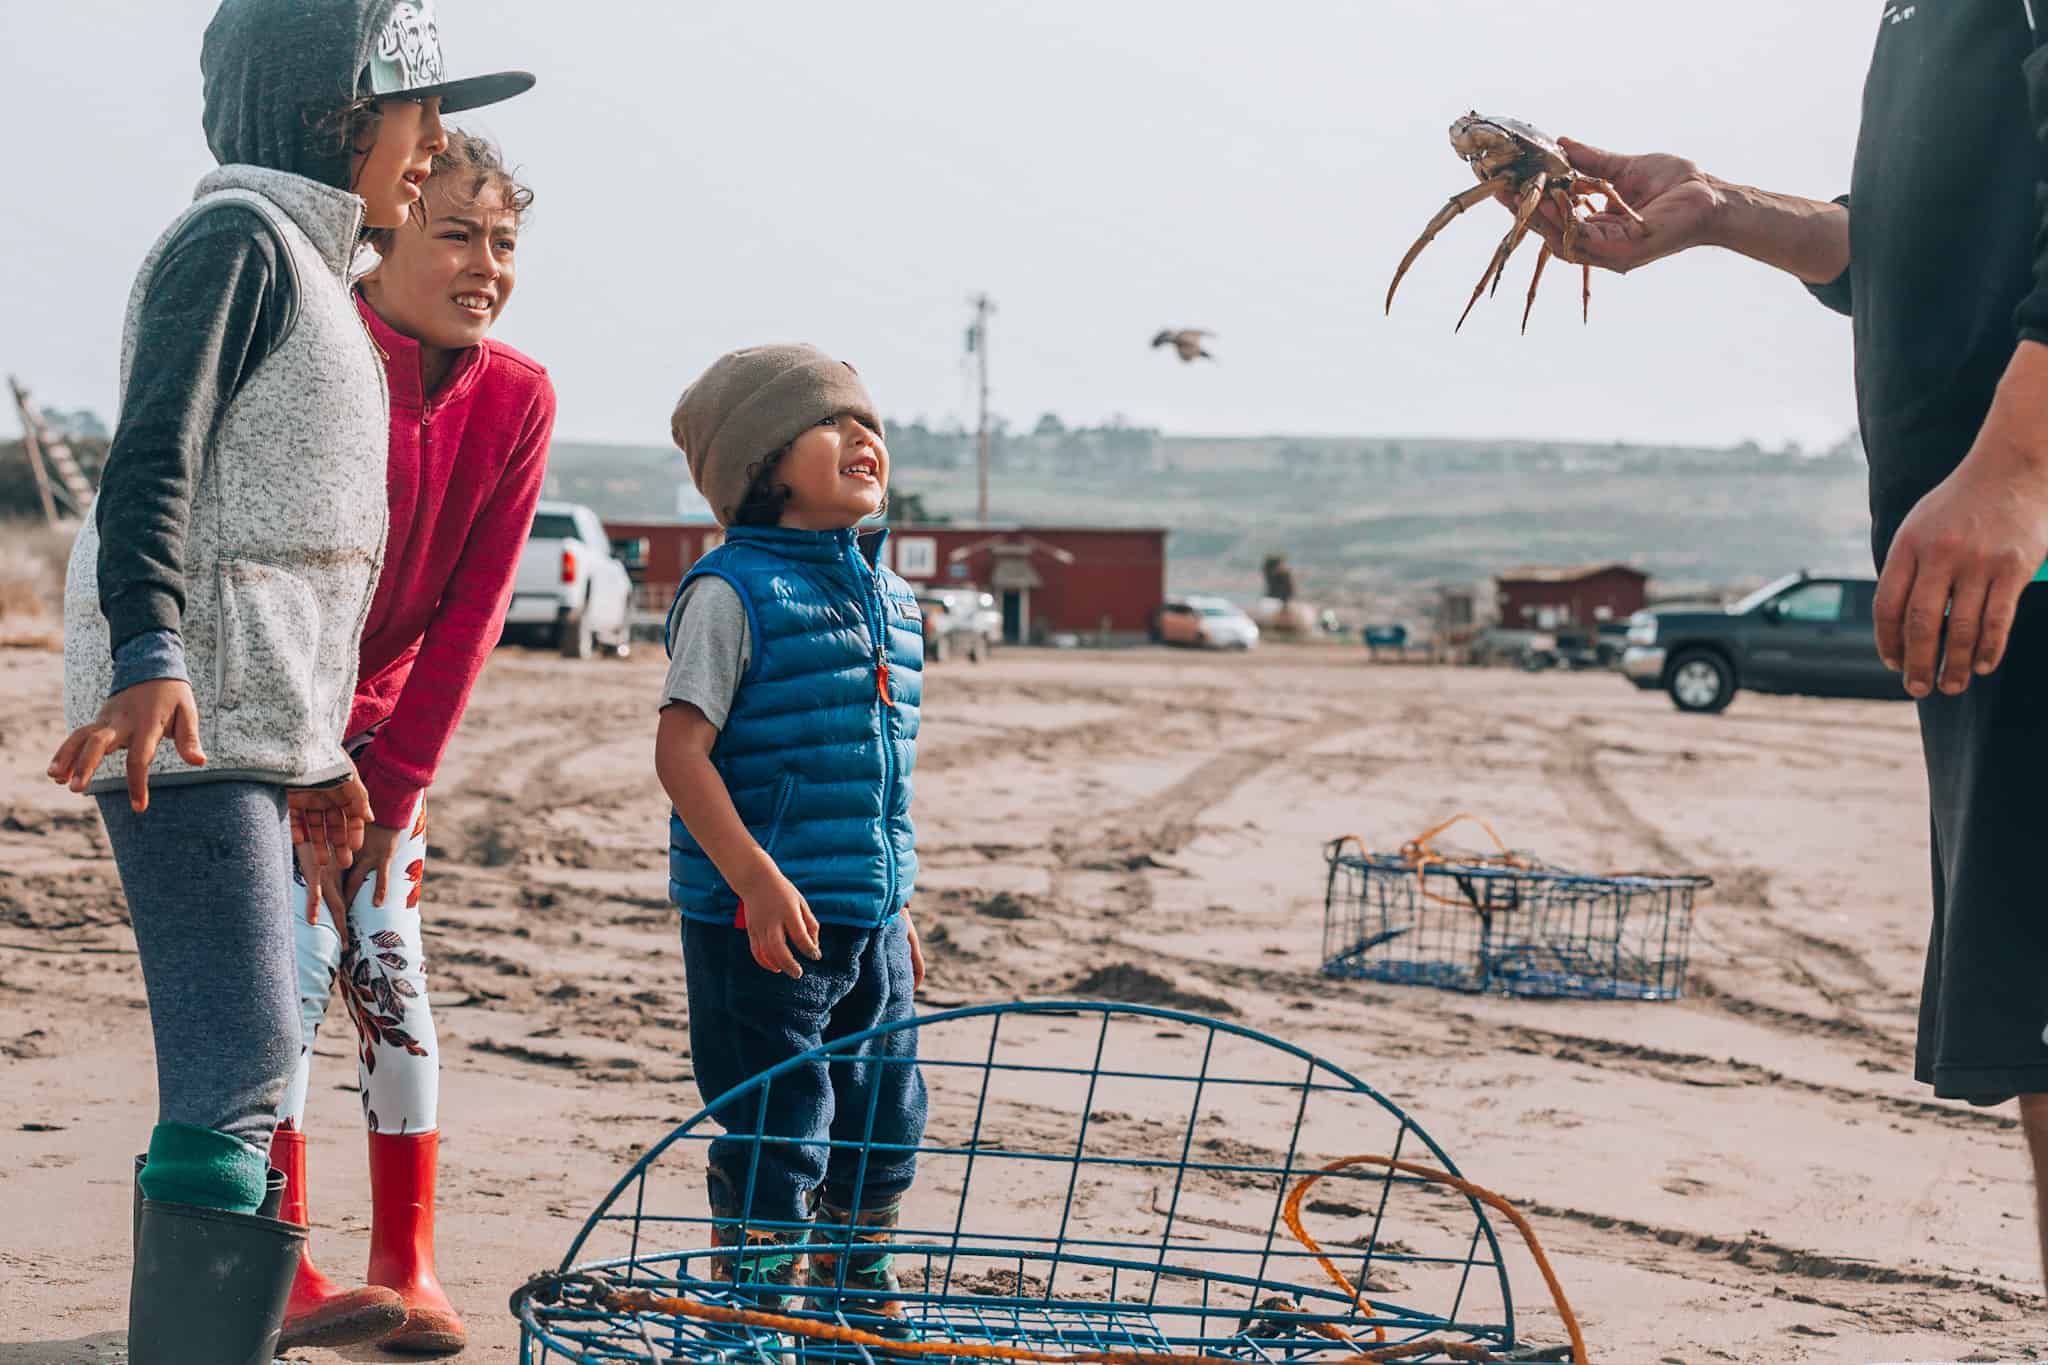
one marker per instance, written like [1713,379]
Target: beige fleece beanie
[753,402]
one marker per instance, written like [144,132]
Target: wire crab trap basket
[1095,1182]
[1504,922]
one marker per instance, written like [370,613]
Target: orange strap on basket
[1420,853]
[646,1301]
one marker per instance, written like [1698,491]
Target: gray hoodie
[240,521]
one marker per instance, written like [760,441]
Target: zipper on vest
[878,629]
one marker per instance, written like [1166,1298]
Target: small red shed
[1101,582]
[1554,598]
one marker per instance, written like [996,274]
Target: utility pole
[977,346]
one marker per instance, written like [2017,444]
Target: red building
[1083,580]
[1578,595]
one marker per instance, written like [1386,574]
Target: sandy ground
[1749,1174]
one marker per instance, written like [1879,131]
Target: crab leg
[1513,247]
[1542,260]
[1458,204]
[1524,211]
[1562,197]
[1585,185]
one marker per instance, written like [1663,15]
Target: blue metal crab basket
[1092,1177]
[1506,924]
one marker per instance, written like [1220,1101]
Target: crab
[1507,154]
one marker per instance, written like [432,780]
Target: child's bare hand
[137,719]
[323,883]
[777,917]
[916,950]
[328,822]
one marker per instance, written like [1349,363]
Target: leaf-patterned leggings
[383,974]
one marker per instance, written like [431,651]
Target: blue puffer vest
[816,758]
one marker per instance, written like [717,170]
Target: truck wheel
[977,651]
[1700,681]
[579,637]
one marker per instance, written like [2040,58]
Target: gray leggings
[207,872]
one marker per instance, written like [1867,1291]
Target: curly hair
[347,129]
[762,503]
[475,164]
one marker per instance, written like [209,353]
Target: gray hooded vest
[287,521]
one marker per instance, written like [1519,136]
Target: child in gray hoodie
[213,606]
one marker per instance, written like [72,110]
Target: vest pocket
[269,637]
[785,788]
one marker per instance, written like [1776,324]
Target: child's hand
[328,822]
[916,950]
[137,719]
[321,883]
[778,916]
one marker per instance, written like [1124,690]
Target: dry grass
[32,560]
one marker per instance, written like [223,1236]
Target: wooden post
[33,449]
[977,341]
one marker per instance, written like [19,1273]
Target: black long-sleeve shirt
[1948,236]
[219,302]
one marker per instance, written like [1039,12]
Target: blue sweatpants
[744,1020]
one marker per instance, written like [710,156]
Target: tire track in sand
[1763,1255]
[1573,770]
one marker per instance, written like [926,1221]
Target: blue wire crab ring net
[1091,1177]
[1472,923]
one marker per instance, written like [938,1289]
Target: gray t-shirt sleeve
[712,648]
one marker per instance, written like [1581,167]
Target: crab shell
[1492,145]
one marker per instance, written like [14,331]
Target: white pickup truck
[571,592]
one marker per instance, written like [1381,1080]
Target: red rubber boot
[320,1312]
[402,1242]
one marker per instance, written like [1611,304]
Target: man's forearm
[1808,238]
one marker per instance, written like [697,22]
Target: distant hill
[1362,520]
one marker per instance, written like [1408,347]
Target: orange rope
[1421,854]
[645,1301]
[1292,1211]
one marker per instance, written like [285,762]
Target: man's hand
[1678,201]
[916,950]
[329,821]
[1968,549]
[373,859]
[777,916]
[137,719]
[1683,207]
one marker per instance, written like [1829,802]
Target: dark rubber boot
[209,1286]
[274,1184]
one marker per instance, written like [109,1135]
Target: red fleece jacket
[465,472]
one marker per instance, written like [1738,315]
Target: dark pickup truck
[1799,634]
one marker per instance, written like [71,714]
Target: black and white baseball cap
[405,63]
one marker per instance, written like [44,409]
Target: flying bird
[1186,342]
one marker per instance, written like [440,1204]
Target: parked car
[956,623]
[571,592]
[1799,634]
[1204,621]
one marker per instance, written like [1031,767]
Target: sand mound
[1135,985]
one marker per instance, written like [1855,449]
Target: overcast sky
[713,175]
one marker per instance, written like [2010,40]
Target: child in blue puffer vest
[788,732]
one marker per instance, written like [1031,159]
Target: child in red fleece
[470,420]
